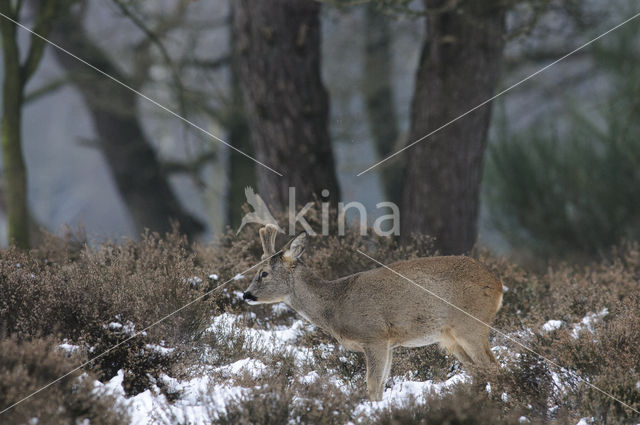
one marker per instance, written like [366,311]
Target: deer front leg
[378,361]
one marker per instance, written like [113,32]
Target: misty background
[69,182]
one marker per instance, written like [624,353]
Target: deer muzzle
[248,296]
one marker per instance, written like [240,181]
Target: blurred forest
[319,92]
[131,129]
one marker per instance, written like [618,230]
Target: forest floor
[221,361]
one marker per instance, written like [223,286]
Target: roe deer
[377,310]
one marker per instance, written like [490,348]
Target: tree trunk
[241,170]
[13,163]
[378,94]
[278,57]
[16,76]
[133,163]
[458,70]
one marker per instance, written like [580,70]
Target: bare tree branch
[190,166]
[46,89]
[45,15]
[153,38]
[210,64]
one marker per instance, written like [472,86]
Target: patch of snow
[200,399]
[588,322]
[309,378]
[254,366]
[172,384]
[141,407]
[503,354]
[69,348]
[267,340]
[585,421]
[214,276]
[403,392]
[160,349]
[552,325]
[279,308]
[194,281]
[523,334]
[203,396]
[114,386]
[117,327]
[217,396]
[559,383]
[523,419]
[325,350]
[238,276]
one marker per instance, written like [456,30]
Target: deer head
[274,279]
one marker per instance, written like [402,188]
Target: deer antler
[268,238]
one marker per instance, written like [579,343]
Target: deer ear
[296,247]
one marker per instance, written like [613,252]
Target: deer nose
[249,296]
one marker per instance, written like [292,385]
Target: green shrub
[567,192]
[564,188]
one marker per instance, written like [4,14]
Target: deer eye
[264,274]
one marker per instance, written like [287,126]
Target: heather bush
[597,305]
[99,296]
[424,363]
[133,281]
[526,384]
[27,366]
[608,358]
[462,406]
[282,399]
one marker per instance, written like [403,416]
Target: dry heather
[26,366]
[94,297]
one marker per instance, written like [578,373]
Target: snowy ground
[204,394]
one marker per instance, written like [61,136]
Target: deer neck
[312,297]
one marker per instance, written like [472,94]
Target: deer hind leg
[476,344]
[387,369]
[489,353]
[451,344]
[378,360]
